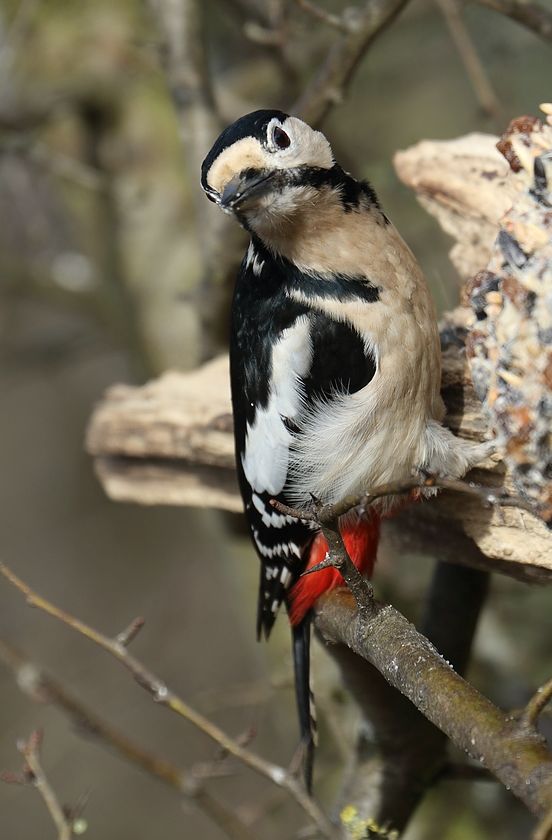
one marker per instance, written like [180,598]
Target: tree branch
[537,704]
[516,754]
[381,635]
[388,782]
[328,515]
[328,86]
[544,828]
[531,15]
[473,65]
[407,660]
[335,21]
[163,695]
[42,688]
[34,774]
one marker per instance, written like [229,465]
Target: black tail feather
[303,694]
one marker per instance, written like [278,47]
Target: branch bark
[170,442]
[328,86]
[387,778]
[533,16]
[512,750]
[42,688]
[408,661]
[163,695]
[34,774]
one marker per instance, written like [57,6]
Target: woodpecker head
[265,167]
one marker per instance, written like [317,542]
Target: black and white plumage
[286,360]
[335,359]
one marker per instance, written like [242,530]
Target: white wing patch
[273,519]
[257,266]
[276,551]
[267,442]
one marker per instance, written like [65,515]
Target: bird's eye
[280,138]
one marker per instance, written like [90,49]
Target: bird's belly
[353,445]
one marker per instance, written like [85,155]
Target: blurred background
[114,268]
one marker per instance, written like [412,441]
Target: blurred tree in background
[113,268]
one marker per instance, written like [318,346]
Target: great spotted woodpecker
[334,360]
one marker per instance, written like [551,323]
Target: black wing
[271,389]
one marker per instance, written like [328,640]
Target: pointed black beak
[246,186]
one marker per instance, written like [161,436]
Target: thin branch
[340,560]
[335,21]
[129,633]
[536,705]
[328,86]
[163,695]
[30,752]
[544,828]
[531,15]
[34,774]
[42,688]
[475,70]
[329,514]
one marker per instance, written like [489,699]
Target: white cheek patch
[307,147]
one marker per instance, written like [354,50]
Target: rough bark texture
[463,183]
[170,442]
[378,633]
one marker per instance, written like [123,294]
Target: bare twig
[43,688]
[531,15]
[329,514]
[328,86]
[475,70]
[544,828]
[536,705]
[335,21]
[34,774]
[163,695]
[30,752]
[129,634]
